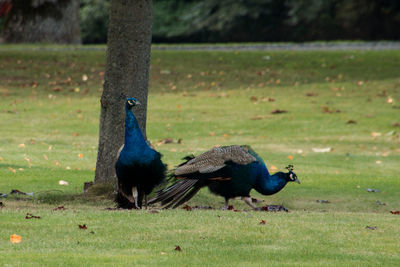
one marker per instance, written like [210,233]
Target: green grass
[206,99]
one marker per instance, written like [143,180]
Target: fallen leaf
[62,182]
[211,133]
[370,227]
[396,124]
[378,162]
[323,201]
[178,248]
[45,157]
[397,212]
[373,190]
[168,140]
[311,94]
[187,207]
[253,99]
[273,168]
[15,239]
[56,162]
[165,72]
[269,99]
[263,222]
[80,155]
[322,150]
[326,109]
[59,208]
[389,100]
[290,157]
[82,227]
[351,122]
[278,111]
[31,216]
[12,169]
[84,77]
[21,145]
[375,134]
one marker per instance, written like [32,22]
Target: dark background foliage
[256,20]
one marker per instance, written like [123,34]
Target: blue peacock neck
[267,184]
[134,139]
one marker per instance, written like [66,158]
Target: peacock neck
[134,138]
[267,184]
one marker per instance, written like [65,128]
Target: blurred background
[206,21]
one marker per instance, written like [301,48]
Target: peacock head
[292,177]
[131,102]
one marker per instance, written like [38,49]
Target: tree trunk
[127,75]
[45,21]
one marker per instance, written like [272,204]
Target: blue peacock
[139,167]
[228,171]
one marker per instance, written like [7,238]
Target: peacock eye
[291,176]
[130,102]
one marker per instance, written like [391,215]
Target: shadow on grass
[97,195]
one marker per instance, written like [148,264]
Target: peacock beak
[296,180]
[137,102]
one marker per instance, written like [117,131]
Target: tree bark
[45,21]
[126,75]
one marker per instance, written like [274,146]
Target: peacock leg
[135,196]
[249,202]
[129,198]
[226,206]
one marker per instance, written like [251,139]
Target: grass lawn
[345,102]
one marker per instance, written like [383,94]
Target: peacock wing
[215,159]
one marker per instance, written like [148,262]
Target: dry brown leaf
[278,111]
[253,99]
[375,134]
